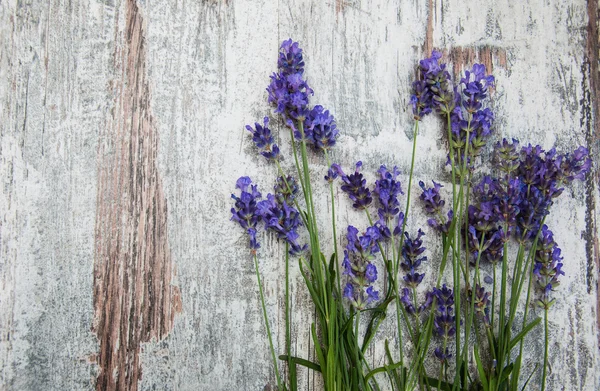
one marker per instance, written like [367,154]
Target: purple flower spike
[359,252]
[431,198]
[321,128]
[438,82]
[444,321]
[261,135]
[288,91]
[286,189]
[482,303]
[576,166]
[356,187]
[290,58]
[282,219]
[547,267]
[443,356]
[411,251]
[388,188]
[246,211]
[406,299]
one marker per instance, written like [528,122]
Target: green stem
[288,324]
[545,349]
[264,309]
[335,245]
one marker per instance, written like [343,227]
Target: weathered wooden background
[122,136]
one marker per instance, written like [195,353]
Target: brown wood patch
[428,44]
[134,300]
[464,57]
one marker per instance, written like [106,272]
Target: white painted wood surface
[64,77]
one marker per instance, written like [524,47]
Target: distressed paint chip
[134,299]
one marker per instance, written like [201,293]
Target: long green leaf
[481,371]
[523,333]
[303,362]
[383,369]
[318,351]
[529,378]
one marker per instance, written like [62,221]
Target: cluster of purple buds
[432,90]
[543,173]
[409,301]
[388,188]
[444,320]
[282,218]
[262,137]
[482,303]
[412,249]
[289,93]
[286,189]
[354,185]
[358,266]
[320,129]
[547,267]
[246,211]
[493,218]
[434,204]
[276,212]
[469,117]
[506,156]
[411,254]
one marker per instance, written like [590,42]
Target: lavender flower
[438,83]
[507,156]
[444,321]
[359,253]
[282,219]
[411,251]
[333,172]
[321,129]
[246,212]
[469,117]
[388,188]
[355,186]
[575,166]
[288,91]
[547,267]
[261,135]
[431,198]
[290,58]
[482,303]
[443,355]
[286,189]
[542,174]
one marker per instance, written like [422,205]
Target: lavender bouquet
[469,329]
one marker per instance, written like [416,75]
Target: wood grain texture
[122,136]
[134,300]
